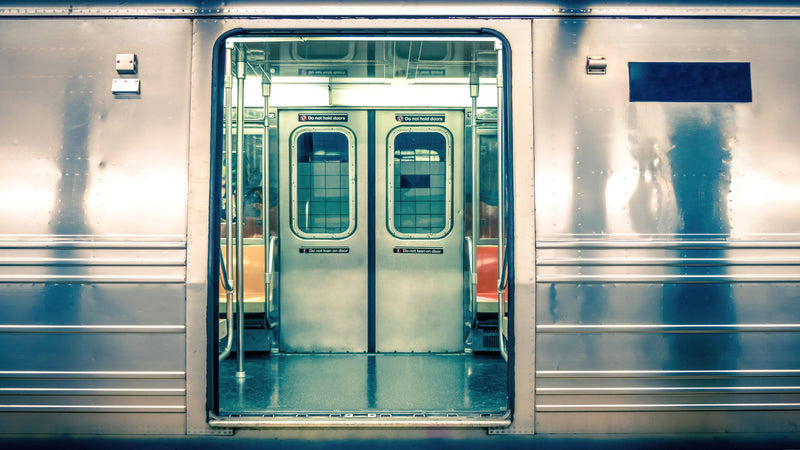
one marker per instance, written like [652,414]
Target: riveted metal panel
[477,9]
[92,245]
[666,245]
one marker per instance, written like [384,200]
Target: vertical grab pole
[266,86]
[474,87]
[501,185]
[240,75]
[228,200]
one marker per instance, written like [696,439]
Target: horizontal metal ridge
[671,407]
[92,241]
[360,420]
[658,278]
[148,392]
[79,374]
[676,244]
[169,279]
[93,408]
[665,390]
[680,262]
[668,373]
[660,328]
[91,262]
[92,328]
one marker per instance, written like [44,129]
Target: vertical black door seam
[371,231]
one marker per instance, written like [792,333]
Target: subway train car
[385,219]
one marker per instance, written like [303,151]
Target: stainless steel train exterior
[653,277]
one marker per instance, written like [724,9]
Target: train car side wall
[666,228]
[93,235]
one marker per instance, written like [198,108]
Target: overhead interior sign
[324,250]
[419,118]
[419,250]
[322,72]
[429,72]
[322,117]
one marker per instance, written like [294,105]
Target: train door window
[323,203]
[420,198]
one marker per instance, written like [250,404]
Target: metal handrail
[474,88]
[473,285]
[502,284]
[228,282]
[271,254]
[266,90]
[501,247]
[240,75]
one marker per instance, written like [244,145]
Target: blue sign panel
[690,82]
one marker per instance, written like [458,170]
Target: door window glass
[419,196]
[323,205]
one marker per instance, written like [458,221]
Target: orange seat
[487,278]
[253,280]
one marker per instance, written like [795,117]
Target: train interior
[357,270]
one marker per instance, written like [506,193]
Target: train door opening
[354,277]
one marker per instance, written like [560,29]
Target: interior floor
[365,383]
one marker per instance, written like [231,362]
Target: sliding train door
[419,231]
[323,231]
[371,231]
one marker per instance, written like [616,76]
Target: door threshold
[367,420]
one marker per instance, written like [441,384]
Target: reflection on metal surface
[93,241]
[667,255]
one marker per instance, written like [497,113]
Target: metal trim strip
[150,392]
[669,390]
[92,262]
[661,328]
[670,244]
[93,408]
[92,328]
[89,241]
[433,10]
[666,373]
[165,279]
[679,262]
[132,375]
[670,407]
[366,421]
[681,279]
